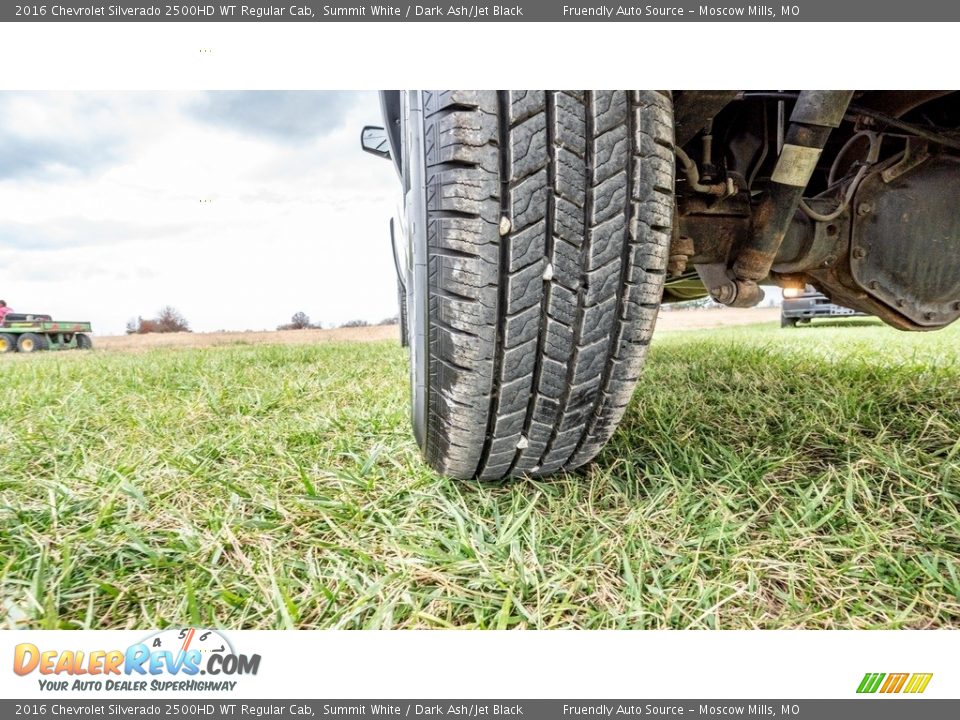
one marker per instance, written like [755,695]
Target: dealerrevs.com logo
[169,660]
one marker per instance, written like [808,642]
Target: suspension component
[814,116]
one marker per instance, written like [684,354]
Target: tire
[402,300]
[786,322]
[84,342]
[8,343]
[32,342]
[539,241]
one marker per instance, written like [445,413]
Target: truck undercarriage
[853,192]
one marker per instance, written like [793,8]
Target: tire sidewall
[415,228]
[402,318]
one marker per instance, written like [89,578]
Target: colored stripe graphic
[918,683]
[894,683]
[870,682]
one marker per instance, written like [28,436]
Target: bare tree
[168,320]
[299,321]
[172,321]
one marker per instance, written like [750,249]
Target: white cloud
[102,219]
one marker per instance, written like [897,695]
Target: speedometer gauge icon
[182,640]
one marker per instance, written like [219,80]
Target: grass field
[762,478]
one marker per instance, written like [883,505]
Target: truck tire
[539,227]
[32,342]
[8,343]
[84,342]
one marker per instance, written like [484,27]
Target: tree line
[169,319]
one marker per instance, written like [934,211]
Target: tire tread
[537,335]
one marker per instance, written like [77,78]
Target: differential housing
[905,239]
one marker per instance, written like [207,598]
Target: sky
[236,208]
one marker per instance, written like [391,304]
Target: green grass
[761,478]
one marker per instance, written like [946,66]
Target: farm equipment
[32,333]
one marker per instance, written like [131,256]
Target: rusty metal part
[898,103]
[915,153]
[815,114]
[692,109]
[905,250]
[835,282]
[850,186]
[719,227]
[725,289]
[716,279]
[706,150]
[898,250]
[809,244]
[821,108]
[692,173]
[748,294]
[866,118]
[713,237]
[714,225]
[681,249]
[893,250]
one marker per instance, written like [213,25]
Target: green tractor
[32,333]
